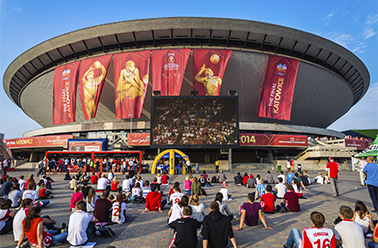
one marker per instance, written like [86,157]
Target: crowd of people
[193,122]
[22,201]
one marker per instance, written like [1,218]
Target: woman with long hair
[363,217]
[176,210]
[245,178]
[119,210]
[197,208]
[196,188]
[29,180]
[297,187]
[32,227]
[76,196]
[115,184]
[91,199]
[222,205]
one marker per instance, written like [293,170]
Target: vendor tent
[370,151]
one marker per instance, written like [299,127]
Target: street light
[131,123]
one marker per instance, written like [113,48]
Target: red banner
[138,139]
[168,68]
[278,88]
[64,93]
[131,80]
[92,76]
[258,139]
[42,141]
[208,69]
[359,144]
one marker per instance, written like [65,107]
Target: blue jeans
[43,204]
[372,244]
[58,238]
[294,237]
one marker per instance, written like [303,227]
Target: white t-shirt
[296,190]
[17,223]
[351,234]
[283,178]
[364,223]
[197,212]
[3,213]
[136,191]
[281,190]
[22,183]
[110,176]
[77,227]
[13,196]
[117,211]
[101,183]
[158,180]
[176,213]
[225,193]
[319,179]
[126,185]
[31,194]
[176,197]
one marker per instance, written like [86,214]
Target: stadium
[329,81]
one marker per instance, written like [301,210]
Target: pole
[131,123]
[230,158]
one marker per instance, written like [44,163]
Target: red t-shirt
[164,179]
[31,234]
[292,201]
[42,192]
[333,168]
[245,179]
[267,202]
[114,186]
[153,201]
[99,175]
[93,179]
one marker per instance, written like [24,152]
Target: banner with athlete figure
[168,68]
[277,90]
[208,69]
[130,83]
[91,80]
[64,93]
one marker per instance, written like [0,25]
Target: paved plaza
[150,229]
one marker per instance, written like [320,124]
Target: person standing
[362,165]
[217,228]
[371,171]
[333,170]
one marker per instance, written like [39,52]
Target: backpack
[214,179]
[106,231]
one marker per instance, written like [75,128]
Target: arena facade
[330,80]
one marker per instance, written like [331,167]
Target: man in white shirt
[226,194]
[102,183]
[81,225]
[280,188]
[126,184]
[26,205]
[31,193]
[22,183]
[176,196]
[348,232]
[281,175]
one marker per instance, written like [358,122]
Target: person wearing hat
[333,170]
[226,194]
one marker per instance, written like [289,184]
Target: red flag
[92,76]
[277,91]
[131,80]
[208,70]
[168,68]
[64,93]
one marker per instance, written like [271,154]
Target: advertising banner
[91,80]
[43,141]
[208,69]
[131,80]
[168,68]
[64,93]
[277,90]
[258,139]
[138,139]
[359,144]
[87,145]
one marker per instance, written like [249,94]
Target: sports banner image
[64,93]
[208,69]
[277,90]
[131,80]
[91,80]
[168,68]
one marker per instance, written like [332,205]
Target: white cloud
[370,20]
[370,28]
[328,17]
[369,33]
[341,38]
[17,9]
[364,115]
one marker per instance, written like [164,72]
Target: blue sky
[352,24]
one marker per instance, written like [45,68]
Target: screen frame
[153,98]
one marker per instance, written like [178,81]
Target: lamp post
[131,123]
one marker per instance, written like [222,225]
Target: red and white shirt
[314,237]
[176,197]
[17,222]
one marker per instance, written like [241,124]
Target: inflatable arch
[170,154]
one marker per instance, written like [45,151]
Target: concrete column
[270,155]
[230,158]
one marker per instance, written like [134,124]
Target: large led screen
[194,122]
